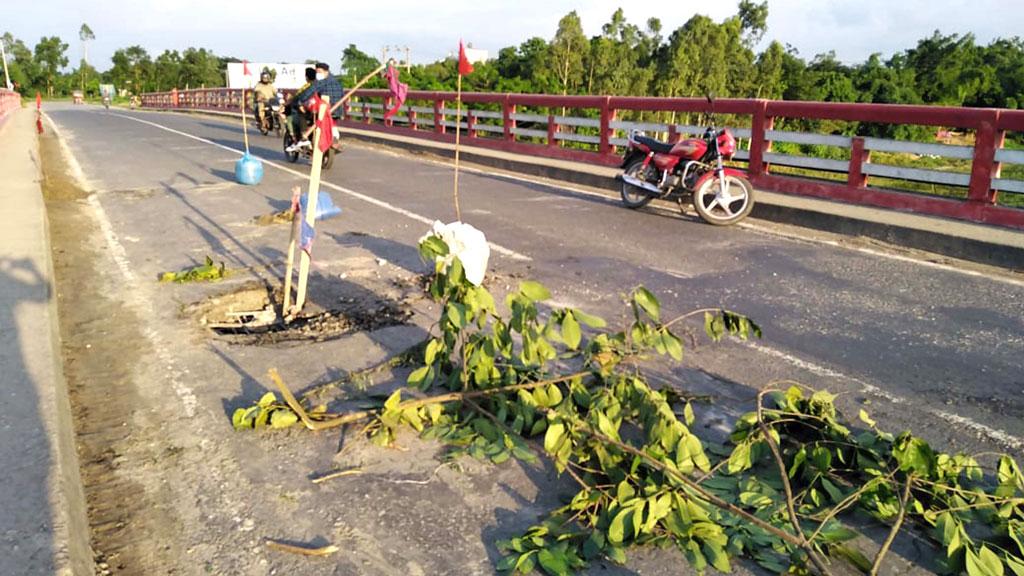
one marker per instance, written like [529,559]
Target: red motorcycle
[691,169]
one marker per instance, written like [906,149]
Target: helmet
[265,76]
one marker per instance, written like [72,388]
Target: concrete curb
[72,553]
[978,243]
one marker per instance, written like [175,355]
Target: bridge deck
[929,348]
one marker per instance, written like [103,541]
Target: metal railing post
[983,169]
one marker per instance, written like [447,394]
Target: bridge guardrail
[9,100]
[859,170]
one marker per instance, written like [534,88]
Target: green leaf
[646,300]
[866,419]
[616,554]
[508,563]
[688,414]
[717,557]
[571,334]
[535,291]
[914,455]
[267,399]
[393,401]
[555,433]
[283,418]
[554,563]
[418,376]
[617,529]
[673,345]
[592,321]
[987,563]
[1016,565]
[739,460]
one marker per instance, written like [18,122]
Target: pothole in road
[251,315]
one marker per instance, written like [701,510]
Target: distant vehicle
[77,97]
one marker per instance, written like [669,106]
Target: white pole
[7,76]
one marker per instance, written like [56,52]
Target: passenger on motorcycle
[324,84]
[298,116]
[262,93]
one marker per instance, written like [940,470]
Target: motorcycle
[689,170]
[306,151]
[270,117]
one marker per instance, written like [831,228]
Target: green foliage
[268,412]
[553,380]
[206,272]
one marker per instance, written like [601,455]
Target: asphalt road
[922,347]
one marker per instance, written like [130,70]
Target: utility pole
[7,76]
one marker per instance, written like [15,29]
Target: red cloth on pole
[326,125]
[245,68]
[465,67]
[396,90]
[39,101]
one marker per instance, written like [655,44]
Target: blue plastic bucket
[248,170]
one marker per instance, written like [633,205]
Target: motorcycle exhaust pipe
[641,184]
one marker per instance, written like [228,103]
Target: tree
[86,35]
[355,64]
[167,70]
[754,21]
[21,65]
[768,72]
[567,49]
[50,54]
[132,65]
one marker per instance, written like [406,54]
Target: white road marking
[379,203]
[993,434]
[132,293]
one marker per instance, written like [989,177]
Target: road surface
[922,347]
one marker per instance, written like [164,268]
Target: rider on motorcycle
[297,115]
[324,84]
[262,93]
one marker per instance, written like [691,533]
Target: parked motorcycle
[689,170]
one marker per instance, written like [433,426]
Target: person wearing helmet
[262,93]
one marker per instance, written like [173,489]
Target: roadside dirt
[101,345]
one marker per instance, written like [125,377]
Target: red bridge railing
[8,101]
[962,180]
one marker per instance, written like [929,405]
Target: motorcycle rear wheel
[724,205]
[328,160]
[632,196]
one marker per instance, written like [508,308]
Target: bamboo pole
[458,131]
[311,202]
[296,215]
[245,128]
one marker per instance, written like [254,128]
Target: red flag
[39,101]
[396,90]
[465,68]
[326,125]
[245,68]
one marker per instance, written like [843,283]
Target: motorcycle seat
[656,146]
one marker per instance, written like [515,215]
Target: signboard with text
[286,76]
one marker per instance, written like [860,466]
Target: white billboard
[289,76]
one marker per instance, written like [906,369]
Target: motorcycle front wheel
[291,156]
[724,201]
[632,196]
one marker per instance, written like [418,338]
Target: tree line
[699,57]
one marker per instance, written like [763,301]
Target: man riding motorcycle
[324,84]
[298,116]
[262,93]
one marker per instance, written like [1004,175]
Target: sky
[255,30]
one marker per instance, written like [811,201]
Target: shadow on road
[25,451]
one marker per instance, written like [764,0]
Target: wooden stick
[311,202]
[289,399]
[245,128]
[458,131]
[337,474]
[290,265]
[877,565]
[301,550]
